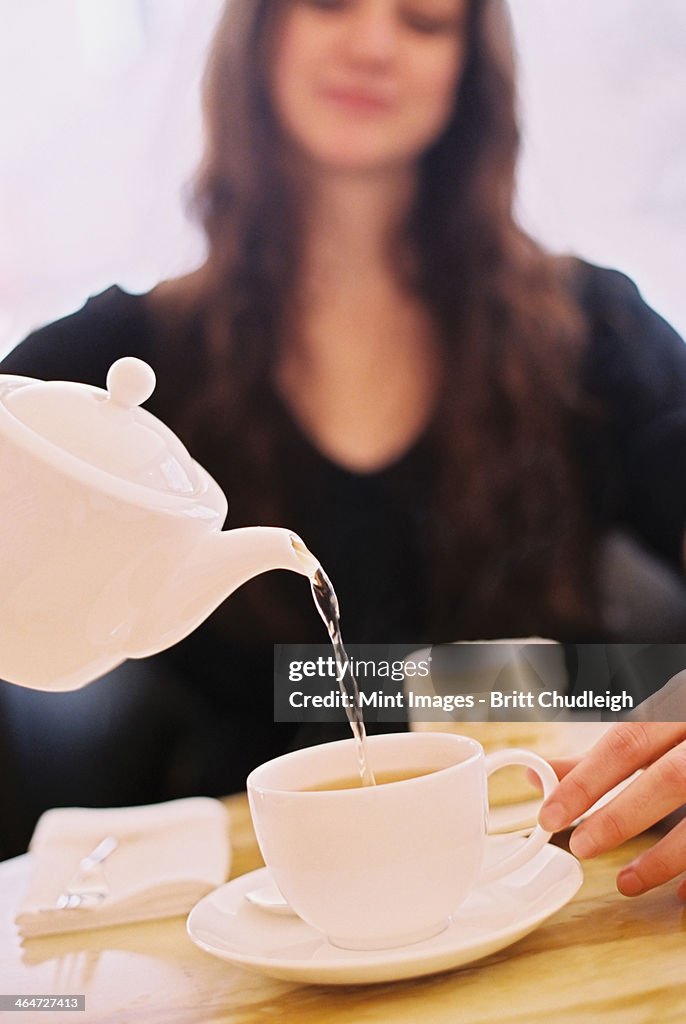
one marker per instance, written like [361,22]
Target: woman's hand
[659,748]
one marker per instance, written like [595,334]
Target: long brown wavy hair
[508,515]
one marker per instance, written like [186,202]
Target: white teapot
[111,542]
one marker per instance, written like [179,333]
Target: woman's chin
[354,161]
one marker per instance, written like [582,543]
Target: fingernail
[582,844]
[552,817]
[629,883]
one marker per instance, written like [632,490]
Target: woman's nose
[372,32]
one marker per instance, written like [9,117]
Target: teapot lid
[107,429]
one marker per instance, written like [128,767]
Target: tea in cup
[375,867]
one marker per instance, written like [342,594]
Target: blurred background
[100,132]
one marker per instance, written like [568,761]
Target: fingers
[661,863]
[653,795]
[626,747]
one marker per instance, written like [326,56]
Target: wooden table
[602,958]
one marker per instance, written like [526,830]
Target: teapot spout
[216,567]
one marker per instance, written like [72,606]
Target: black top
[368,539]
[635,363]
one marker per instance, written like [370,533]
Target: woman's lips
[358,100]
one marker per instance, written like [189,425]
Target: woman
[376,355]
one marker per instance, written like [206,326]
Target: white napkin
[169,856]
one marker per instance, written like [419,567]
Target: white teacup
[380,866]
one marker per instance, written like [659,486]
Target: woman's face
[365,85]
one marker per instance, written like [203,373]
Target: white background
[100,131]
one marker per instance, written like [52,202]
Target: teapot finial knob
[130,381]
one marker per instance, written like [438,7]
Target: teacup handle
[539,837]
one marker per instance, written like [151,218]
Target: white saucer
[226,925]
